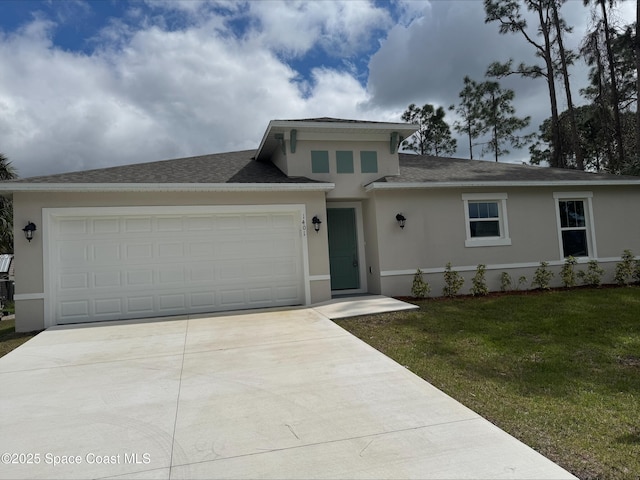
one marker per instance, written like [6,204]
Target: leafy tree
[469,112]
[487,109]
[566,57]
[604,26]
[511,20]
[7,172]
[599,91]
[594,131]
[433,136]
[497,118]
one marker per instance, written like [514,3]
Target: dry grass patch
[9,338]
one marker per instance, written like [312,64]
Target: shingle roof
[241,168]
[231,167]
[430,169]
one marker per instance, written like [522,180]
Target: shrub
[593,275]
[453,281]
[542,276]
[505,282]
[568,272]
[636,273]
[625,270]
[479,287]
[522,280]
[420,288]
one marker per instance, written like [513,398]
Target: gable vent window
[344,162]
[486,219]
[369,162]
[319,161]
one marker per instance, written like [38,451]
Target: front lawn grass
[558,370]
[9,339]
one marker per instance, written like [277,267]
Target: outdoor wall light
[401,219]
[316,223]
[28,231]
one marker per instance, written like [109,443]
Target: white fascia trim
[167,187]
[396,127]
[498,266]
[406,128]
[502,183]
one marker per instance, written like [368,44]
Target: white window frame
[503,222]
[586,198]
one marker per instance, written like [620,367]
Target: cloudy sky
[90,84]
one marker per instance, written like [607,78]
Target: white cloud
[147,93]
[151,94]
[342,28]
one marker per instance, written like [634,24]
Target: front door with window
[343,249]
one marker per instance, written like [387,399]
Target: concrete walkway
[279,394]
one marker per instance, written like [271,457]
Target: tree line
[602,135]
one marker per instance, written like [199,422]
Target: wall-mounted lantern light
[401,220]
[28,231]
[316,223]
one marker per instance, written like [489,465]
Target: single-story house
[323,207]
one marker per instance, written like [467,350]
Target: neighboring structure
[6,277]
[238,230]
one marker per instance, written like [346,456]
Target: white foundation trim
[28,296]
[319,278]
[499,266]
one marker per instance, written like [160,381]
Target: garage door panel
[138,225]
[202,300]
[232,298]
[73,252]
[106,253]
[140,304]
[170,224]
[74,226]
[133,266]
[139,277]
[106,226]
[139,251]
[71,281]
[107,279]
[74,309]
[108,307]
[170,250]
[286,294]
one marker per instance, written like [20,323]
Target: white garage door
[106,266]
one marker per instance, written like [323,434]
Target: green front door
[343,248]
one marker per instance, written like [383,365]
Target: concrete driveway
[280,394]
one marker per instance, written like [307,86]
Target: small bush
[593,275]
[479,287]
[542,276]
[522,280]
[453,282]
[505,282]
[636,273]
[568,272]
[626,269]
[420,288]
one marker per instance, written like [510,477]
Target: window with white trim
[486,219]
[575,225]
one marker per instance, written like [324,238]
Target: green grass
[558,370]
[9,339]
